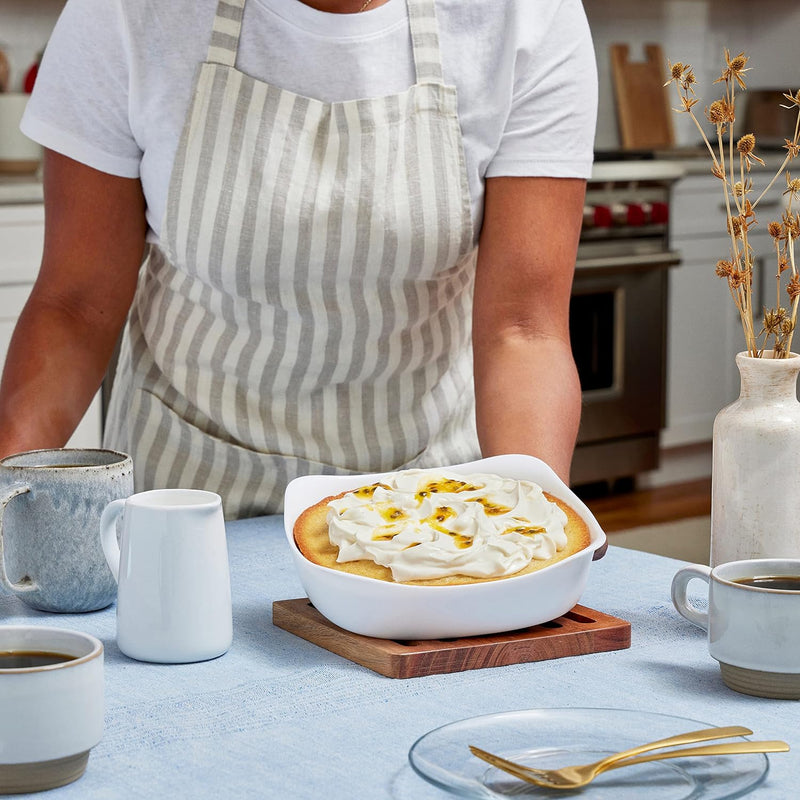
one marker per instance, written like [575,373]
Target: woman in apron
[307,305]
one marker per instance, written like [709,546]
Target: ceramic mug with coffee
[752,622]
[51,706]
[51,502]
[171,561]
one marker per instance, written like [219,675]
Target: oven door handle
[632,262]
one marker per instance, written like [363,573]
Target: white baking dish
[389,610]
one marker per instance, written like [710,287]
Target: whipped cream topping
[425,524]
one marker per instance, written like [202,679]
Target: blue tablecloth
[279,717]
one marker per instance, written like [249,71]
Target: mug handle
[26,584]
[108,535]
[680,599]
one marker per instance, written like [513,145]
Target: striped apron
[308,307]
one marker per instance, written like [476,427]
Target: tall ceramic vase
[755,496]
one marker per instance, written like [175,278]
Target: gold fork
[577,776]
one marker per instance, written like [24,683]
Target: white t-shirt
[117,77]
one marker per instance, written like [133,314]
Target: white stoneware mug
[51,706]
[51,502]
[171,563]
[753,631]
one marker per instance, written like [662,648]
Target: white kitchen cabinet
[21,240]
[704,328]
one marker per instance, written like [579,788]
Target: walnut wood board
[578,632]
[643,110]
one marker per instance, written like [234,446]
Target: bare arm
[94,239]
[526,384]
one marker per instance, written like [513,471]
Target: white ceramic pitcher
[171,564]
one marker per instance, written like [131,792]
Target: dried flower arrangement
[731,163]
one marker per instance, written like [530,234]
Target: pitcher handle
[680,598]
[25,584]
[108,535]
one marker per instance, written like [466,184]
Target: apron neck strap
[422,22]
[425,40]
[225,34]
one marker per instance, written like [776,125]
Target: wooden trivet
[580,631]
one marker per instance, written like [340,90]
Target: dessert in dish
[436,527]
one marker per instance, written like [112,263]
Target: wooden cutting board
[5,71]
[644,114]
[580,631]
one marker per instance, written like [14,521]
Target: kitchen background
[703,331]
[693,31]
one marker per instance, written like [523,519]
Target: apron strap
[225,34]
[425,40]
[422,22]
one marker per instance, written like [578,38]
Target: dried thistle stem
[740,210]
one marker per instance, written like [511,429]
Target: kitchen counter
[672,165]
[638,170]
[15,189]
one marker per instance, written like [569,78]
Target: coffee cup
[51,706]
[51,502]
[171,561]
[752,622]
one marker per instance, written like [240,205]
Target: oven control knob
[619,213]
[597,216]
[659,213]
[637,214]
[629,214]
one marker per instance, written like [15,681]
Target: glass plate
[557,737]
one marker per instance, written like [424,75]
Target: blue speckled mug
[51,502]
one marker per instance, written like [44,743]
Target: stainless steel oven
[618,320]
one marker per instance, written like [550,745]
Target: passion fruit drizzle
[492,509]
[445,485]
[368,491]
[434,520]
[385,533]
[455,487]
[392,514]
[440,513]
[526,530]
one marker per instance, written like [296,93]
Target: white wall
[25,27]
[695,32]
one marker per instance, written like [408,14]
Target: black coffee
[789,583]
[23,659]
